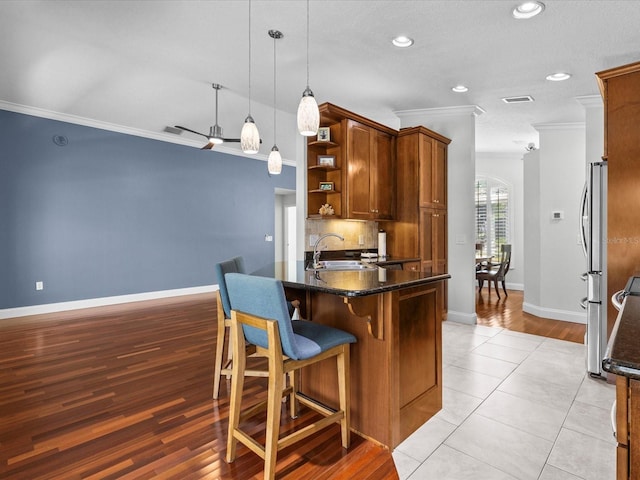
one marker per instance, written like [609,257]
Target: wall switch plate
[268,238]
[557,215]
[312,240]
[39,285]
[360,239]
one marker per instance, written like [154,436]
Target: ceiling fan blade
[192,131]
[208,146]
[235,140]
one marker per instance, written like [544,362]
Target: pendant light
[274,162]
[308,113]
[249,137]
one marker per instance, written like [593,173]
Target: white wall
[509,168]
[561,174]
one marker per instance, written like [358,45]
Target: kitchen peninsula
[396,365]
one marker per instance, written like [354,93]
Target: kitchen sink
[343,265]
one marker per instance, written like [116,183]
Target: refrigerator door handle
[583,218]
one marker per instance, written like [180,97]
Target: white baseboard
[466,318]
[101,302]
[553,314]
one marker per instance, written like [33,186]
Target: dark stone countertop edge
[369,291]
[623,351]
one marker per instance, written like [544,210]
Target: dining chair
[496,272]
[259,315]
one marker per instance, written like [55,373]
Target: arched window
[493,215]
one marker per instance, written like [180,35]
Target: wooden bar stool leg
[230,356]
[237,387]
[294,382]
[218,360]
[274,411]
[345,394]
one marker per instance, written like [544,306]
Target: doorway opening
[285,228]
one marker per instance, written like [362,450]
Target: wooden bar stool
[223,312]
[259,315]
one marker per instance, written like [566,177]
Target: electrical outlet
[313,239]
[39,285]
[360,239]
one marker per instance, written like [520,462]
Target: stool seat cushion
[264,297]
[313,338]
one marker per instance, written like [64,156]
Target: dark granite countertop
[623,351]
[351,283]
[360,255]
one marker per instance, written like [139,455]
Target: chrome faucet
[316,253]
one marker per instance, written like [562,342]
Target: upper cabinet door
[370,173]
[433,173]
[358,170]
[383,175]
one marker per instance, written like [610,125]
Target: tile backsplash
[352,230]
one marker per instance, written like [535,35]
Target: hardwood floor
[507,312]
[125,392]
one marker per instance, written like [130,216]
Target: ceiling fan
[215,133]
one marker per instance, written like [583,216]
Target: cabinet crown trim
[425,131]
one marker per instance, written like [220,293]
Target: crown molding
[461,110]
[559,126]
[590,101]
[112,127]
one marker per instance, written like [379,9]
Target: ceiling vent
[519,99]
[175,131]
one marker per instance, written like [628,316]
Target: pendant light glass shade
[249,137]
[274,162]
[308,113]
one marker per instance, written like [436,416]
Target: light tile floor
[515,406]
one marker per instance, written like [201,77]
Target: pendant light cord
[274,89]
[249,57]
[307,43]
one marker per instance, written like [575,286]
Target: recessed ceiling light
[559,77]
[402,41]
[460,89]
[527,10]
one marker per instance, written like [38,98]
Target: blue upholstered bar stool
[259,315]
[223,311]
[222,367]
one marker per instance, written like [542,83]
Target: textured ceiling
[148,64]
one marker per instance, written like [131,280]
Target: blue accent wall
[114,214]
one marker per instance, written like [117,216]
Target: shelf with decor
[325,159]
[358,156]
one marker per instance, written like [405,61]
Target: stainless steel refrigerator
[594,242]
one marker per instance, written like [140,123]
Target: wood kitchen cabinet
[420,229]
[433,240]
[620,89]
[370,173]
[363,175]
[433,172]
[627,428]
